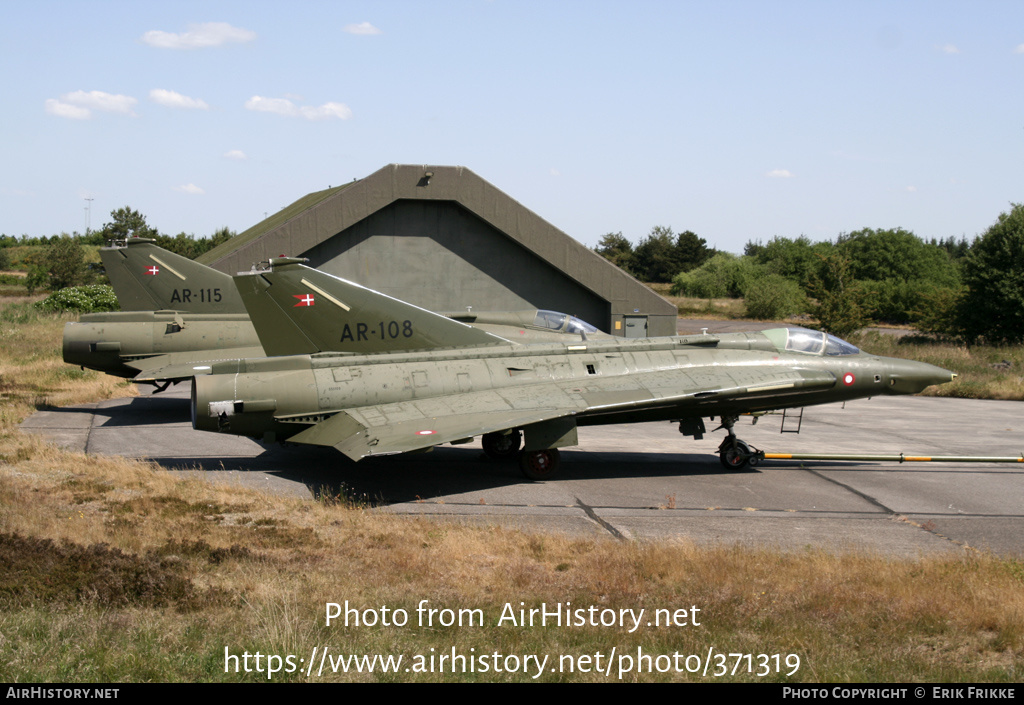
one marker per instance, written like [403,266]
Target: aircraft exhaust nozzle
[245,403]
[87,345]
[212,403]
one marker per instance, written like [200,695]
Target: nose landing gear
[733,453]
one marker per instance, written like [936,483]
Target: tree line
[969,291]
[59,261]
[972,291]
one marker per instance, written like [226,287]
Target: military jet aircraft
[177,317]
[458,382]
[180,316]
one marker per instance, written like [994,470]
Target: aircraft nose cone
[910,377]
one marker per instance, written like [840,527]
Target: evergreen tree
[126,223]
[839,307]
[993,306]
[616,249]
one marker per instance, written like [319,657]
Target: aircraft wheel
[735,456]
[539,464]
[502,446]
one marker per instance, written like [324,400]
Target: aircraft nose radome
[910,377]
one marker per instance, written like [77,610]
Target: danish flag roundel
[304,299]
[153,270]
[849,379]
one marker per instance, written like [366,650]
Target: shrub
[938,312]
[721,276]
[774,297]
[83,299]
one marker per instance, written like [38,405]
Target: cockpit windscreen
[814,342]
[555,320]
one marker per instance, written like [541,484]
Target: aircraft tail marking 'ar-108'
[295,314]
[448,386]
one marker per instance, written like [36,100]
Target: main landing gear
[502,446]
[534,464]
[733,453]
[540,464]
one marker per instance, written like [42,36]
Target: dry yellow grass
[688,306]
[851,617]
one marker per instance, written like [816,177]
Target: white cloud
[65,110]
[80,104]
[280,106]
[172,99]
[198,36]
[361,28]
[1019,49]
[191,189]
[236,154]
[911,189]
[283,106]
[98,100]
[779,174]
[326,111]
[949,49]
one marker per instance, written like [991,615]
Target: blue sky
[737,120]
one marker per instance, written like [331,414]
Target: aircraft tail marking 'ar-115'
[448,387]
[149,278]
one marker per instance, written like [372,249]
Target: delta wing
[413,425]
[180,366]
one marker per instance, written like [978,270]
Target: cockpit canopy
[810,342]
[555,320]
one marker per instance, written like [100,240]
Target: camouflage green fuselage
[107,341]
[612,381]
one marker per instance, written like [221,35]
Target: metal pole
[88,215]
[898,458]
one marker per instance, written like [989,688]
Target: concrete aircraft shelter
[442,238]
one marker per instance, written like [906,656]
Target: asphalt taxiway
[643,481]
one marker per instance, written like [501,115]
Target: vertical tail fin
[297,310]
[148,278]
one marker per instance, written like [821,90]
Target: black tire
[735,456]
[502,446]
[539,464]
